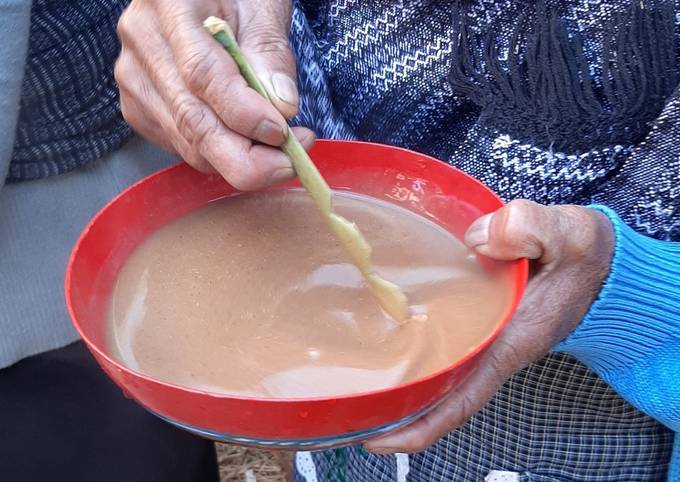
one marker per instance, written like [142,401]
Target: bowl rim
[522,265]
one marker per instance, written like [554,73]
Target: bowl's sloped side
[299,421]
[115,232]
[416,182]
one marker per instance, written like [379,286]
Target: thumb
[521,229]
[263,36]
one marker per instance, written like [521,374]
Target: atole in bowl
[415,182]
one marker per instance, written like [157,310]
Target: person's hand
[181,90]
[571,249]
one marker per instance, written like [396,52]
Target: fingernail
[269,132]
[282,174]
[285,89]
[383,450]
[478,234]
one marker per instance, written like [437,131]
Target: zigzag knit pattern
[522,104]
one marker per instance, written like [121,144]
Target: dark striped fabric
[567,101]
[70,110]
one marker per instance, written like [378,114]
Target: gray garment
[40,220]
[39,223]
[15,18]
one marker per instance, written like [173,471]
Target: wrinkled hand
[571,249]
[181,90]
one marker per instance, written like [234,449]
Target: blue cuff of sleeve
[638,308]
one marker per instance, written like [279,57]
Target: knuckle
[134,28]
[233,164]
[121,26]
[196,161]
[510,360]
[228,101]
[127,98]
[120,70]
[497,364]
[243,181]
[205,131]
[265,38]
[466,409]
[197,71]
[272,45]
[123,71]
[192,120]
[517,220]
[127,111]
[520,208]
[592,227]
[127,24]
[418,442]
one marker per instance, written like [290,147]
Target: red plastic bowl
[414,181]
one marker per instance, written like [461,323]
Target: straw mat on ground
[238,464]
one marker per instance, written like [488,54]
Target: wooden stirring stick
[389,295]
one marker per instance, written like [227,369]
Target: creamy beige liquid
[252,295]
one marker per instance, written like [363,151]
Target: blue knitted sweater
[562,101]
